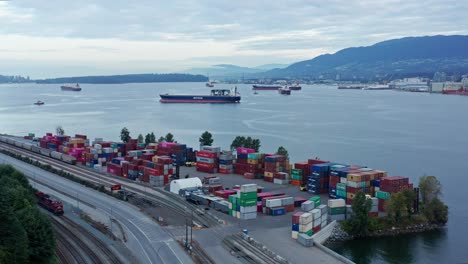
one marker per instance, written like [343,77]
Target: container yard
[249,188]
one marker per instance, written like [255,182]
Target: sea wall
[322,236]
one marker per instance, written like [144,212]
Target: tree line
[129,78]
[26,234]
[206,139]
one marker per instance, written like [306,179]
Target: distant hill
[389,59]
[229,71]
[14,79]
[129,78]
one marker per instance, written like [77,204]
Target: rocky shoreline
[339,235]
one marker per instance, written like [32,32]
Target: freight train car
[45,201]
[43,151]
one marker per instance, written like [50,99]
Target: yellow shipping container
[350,195]
[355,177]
[269,174]
[380,174]
[155,159]
[252,161]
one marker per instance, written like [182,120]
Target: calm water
[408,134]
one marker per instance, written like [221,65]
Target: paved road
[149,243]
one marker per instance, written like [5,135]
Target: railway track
[78,245]
[156,196]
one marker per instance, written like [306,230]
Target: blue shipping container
[242,156]
[295,227]
[278,211]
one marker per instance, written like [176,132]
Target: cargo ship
[295,87]
[461,91]
[265,87]
[74,88]
[216,96]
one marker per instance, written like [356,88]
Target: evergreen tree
[238,142]
[282,151]
[125,135]
[152,138]
[147,139]
[161,139]
[59,130]
[140,138]
[13,237]
[169,137]
[206,139]
[358,224]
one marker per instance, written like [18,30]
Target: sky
[56,38]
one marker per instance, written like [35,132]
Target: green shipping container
[316,200]
[337,210]
[341,193]
[31,135]
[382,195]
[309,233]
[230,211]
[252,202]
[296,177]
[341,186]
[248,196]
[296,172]
[252,156]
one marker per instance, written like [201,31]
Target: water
[409,134]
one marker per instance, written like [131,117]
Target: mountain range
[229,71]
[391,59]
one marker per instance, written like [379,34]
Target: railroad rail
[156,196]
[78,245]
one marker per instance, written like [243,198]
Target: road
[149,242]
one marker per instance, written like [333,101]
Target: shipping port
[248,191]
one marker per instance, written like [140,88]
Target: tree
[358,224]
[410,197]
[152,138]
[59,130]
[436,212]
[14,240]
[140,138]
[206,139]
[147,139]
[282,151]
[161,139]
[125,135]
[397,207]
[429,188]
[169,137]
[238,142]
[256,145]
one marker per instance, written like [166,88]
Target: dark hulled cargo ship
[74,88]
[265,87]
[219,96]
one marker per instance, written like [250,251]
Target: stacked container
[226,162]
[277,205]
[306,224]
[336,209]
[281,178]
[296,176]
[242,165]
[317,182]
[389,185]
[207,161]
[243,204]
[304,172]
[275,164]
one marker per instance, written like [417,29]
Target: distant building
[465,82]
[438,87]
[439,77]
[410,84]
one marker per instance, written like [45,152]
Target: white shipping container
[316,213]
[316,223]
[306,227]
[343,180]
[249,187]
[273,203]
[374,208]
[287,201]
[247,216]
[230,205]
[225,167]
[307,206]
[238,214]
[281,182]
[323,208]
[248,209]
[375,201]
[56,155]
[99,146]
[324,217]
[294,234]
[333,203]
[324,223]
[305,218]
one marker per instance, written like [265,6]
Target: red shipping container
[248,175]
[296,216]
[373,214]
[268,179]
[316,161]
[205,165]
[280,175]
[259,208]
[316,229]
[214,188]
[296,182]
[207,154]
[289,208]
[349,201]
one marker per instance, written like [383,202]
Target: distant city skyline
[46,39]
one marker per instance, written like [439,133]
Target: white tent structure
[176,185]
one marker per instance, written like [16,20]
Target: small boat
[216,96]
[284,90]
[39,102]
[74,88]
[209,84]
[255,92]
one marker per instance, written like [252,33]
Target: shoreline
[339,235]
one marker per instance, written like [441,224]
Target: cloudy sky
[53,38]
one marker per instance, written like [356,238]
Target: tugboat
[74,88]
[295,87]
[216,96]
[39,102]
[284,90]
